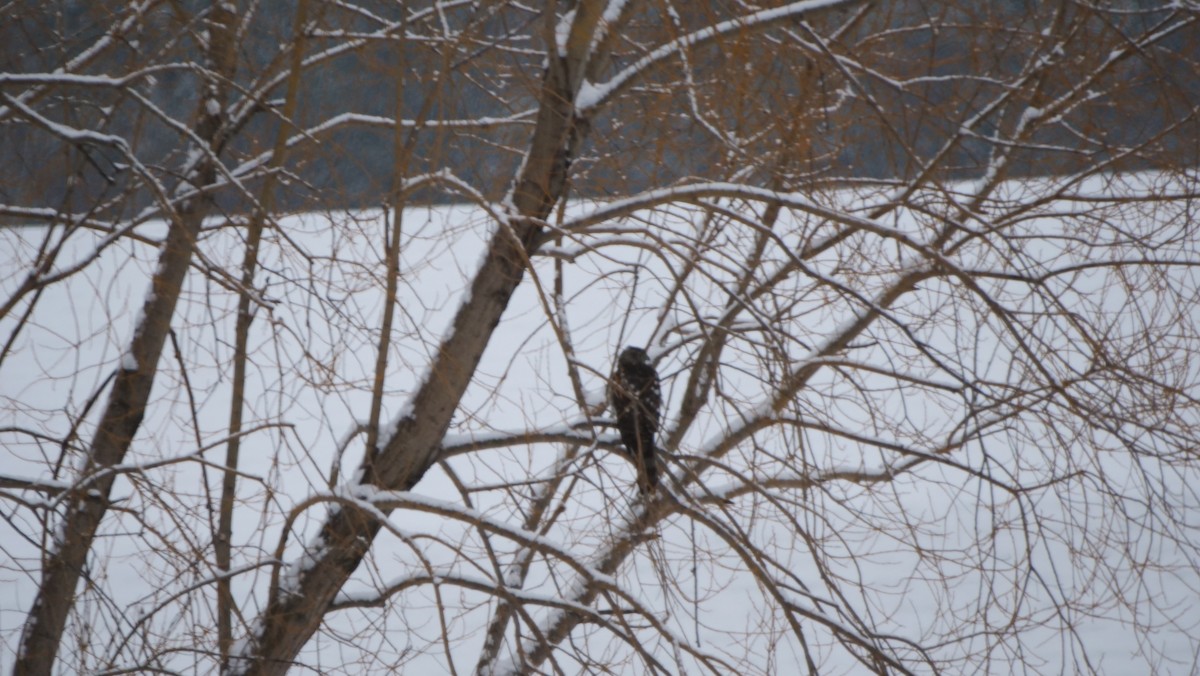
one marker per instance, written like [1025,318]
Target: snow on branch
[697,191]
[380,503]
[72,134]
[575,432]
[592,95]
[627,536]
[113,37]
[80,80]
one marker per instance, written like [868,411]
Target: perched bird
[634,395]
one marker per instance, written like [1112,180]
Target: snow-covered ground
[938,554]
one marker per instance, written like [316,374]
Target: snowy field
[1100,537]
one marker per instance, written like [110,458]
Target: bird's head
[634,356]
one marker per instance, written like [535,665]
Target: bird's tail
[648,473]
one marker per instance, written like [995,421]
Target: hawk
[635,398]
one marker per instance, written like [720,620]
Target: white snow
[601,92]
[562,32]
[521,391]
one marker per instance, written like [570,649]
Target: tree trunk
[411,447]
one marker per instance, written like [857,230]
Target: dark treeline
[928,56]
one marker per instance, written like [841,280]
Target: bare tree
[919,280]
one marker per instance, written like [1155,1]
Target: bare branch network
[308,311]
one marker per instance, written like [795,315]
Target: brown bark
[223,542]
[413,445]
[64,563]
[63,566]
[631,538]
